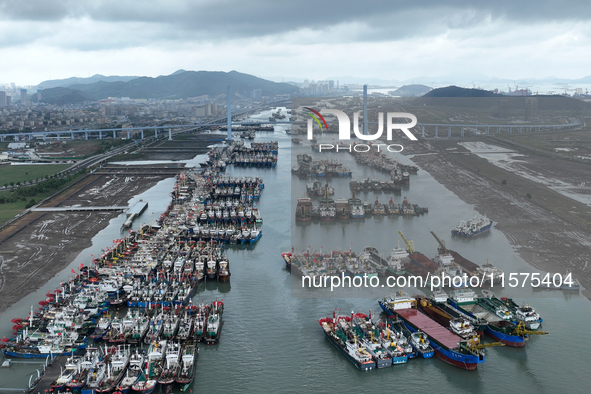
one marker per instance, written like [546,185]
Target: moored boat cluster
[452,328]
[353,208]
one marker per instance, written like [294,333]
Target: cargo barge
[449,347]
[504,331]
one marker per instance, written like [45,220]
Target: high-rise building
[531,108]
[8,101]
[23,96]
[3,99]
[331,84]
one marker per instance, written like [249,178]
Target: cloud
[390,40]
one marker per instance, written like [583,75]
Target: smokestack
[228,93]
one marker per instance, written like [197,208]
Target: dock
[78,209]
[40,383]
[135,211]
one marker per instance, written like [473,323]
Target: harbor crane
[522,331]
[410,245]
[441,249]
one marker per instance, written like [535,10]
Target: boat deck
[466,264]
[424,262]
[435,330]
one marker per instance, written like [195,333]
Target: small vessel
[472,227]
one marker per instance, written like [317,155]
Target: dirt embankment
[39,245]
[545,234]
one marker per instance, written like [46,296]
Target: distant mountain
[415,90]
[455,91]
[81,81]
[181,84]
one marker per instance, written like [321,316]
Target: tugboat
[420,342]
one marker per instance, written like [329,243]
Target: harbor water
[271,341]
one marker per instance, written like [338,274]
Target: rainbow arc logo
[316,119]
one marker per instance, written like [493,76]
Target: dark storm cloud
[238,18]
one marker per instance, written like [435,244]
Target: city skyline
[393,41]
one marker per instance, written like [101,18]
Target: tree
[504,182]
[528,195]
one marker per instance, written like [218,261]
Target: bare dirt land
[549,229]
[40,244]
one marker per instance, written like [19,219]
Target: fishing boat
[171,366]
[224,271]
[72,368]
[134,371]
[185,331]
[189,356]
[116,369]
[89,362]
[144,385]
[335,329]
[214,323]
[395,332]
[96,376]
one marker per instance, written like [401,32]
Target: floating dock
[135,211]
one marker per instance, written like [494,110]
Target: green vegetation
[26,173]
[13,202]
[174,86]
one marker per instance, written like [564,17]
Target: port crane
[410,245]
[441,249]
[522,331]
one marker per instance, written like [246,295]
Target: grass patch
[27,173]
[14,201]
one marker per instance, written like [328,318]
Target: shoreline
[39,245]
[537,234]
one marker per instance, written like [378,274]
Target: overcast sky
[391,40]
